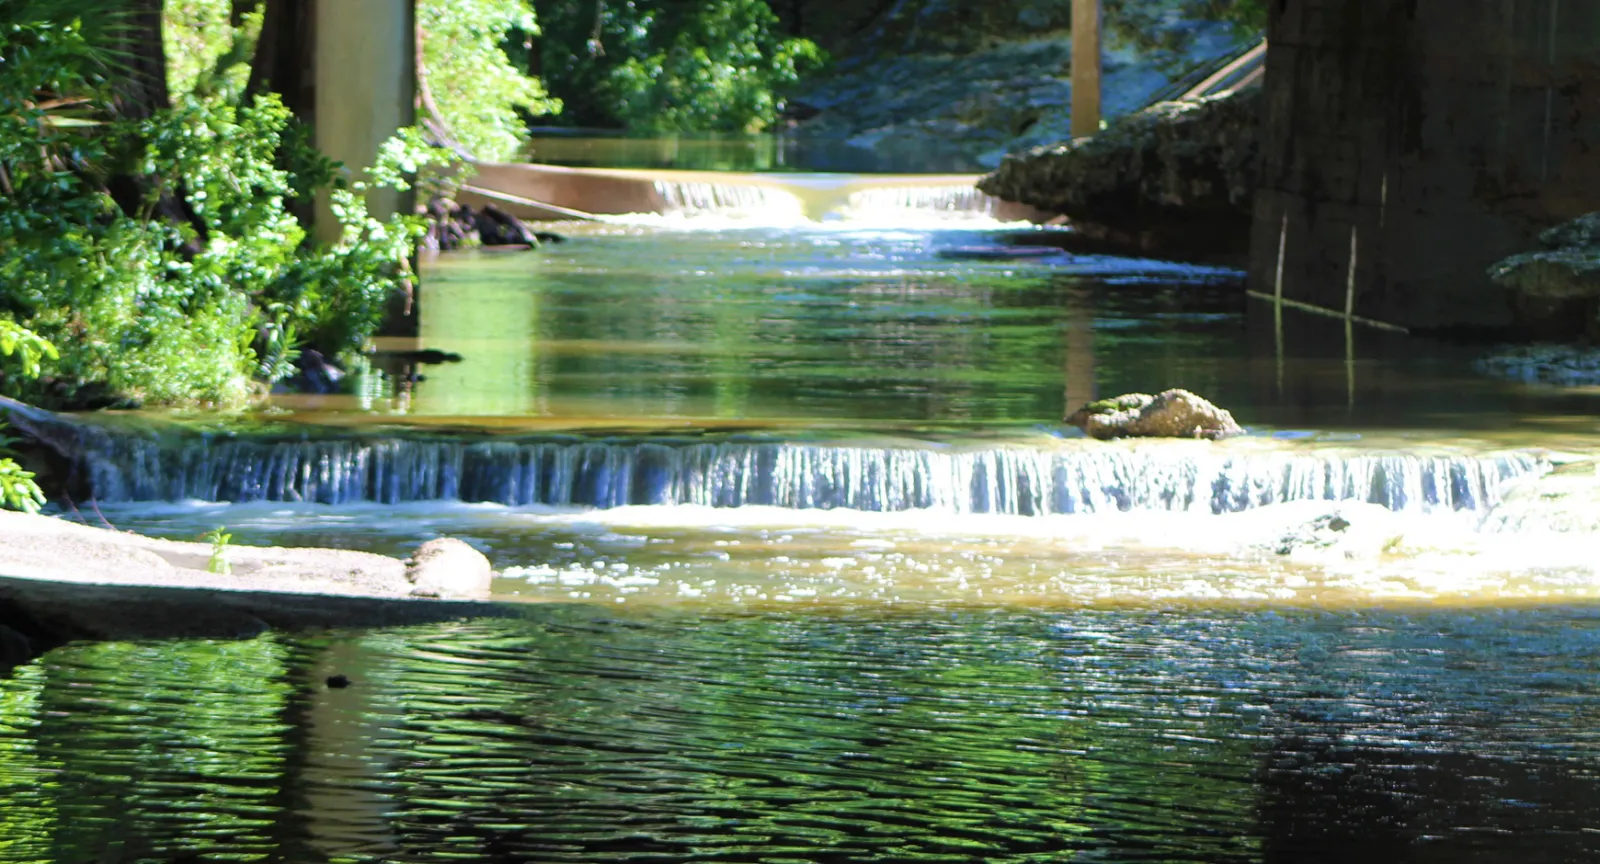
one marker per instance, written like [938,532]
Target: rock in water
[447,567]
[1172,414]
[317,374]
[459,226]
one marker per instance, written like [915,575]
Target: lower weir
[1016,480]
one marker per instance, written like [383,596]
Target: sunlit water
[808,570]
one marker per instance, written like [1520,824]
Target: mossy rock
[1125,402]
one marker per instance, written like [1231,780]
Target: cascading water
[782,200]
[892,200]
[733,199]
[1012,480]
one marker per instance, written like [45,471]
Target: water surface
[962,737]
[808,570]
[854,325]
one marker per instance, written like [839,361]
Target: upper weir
[549,192]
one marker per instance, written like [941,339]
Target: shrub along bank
[157,253]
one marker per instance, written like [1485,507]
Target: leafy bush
[18,491]
[668,65]
[205,52]
[158,255]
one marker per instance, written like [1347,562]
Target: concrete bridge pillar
[1409,144]
[366,85]
[1086,66]
[366,82]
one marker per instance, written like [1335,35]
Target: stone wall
[1409,144]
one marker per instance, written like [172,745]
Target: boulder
[1333,532]
[447,567]
[1174,173]
[1171,414]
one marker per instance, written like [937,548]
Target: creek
[812,572]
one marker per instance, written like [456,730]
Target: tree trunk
[284,56]
[143,90]
[238,9]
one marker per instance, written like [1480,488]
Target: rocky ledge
[1176,178]
[61,581]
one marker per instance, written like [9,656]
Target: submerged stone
[1171,414]
[1562,365]
[1564,501]
[1345,530]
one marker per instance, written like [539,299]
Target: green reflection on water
[985,736]
[488,314]
[771,326]
[786,329]
[125,751]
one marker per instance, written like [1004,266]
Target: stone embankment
[1175,179]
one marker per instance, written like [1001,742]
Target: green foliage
[26,346]
[478,92]
[668,65]
[205,52]
[219,540]
[200,278]
[18,491]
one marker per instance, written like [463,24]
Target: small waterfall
[896,200]
[1008,480]
[692,198]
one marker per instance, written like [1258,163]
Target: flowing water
[808,570]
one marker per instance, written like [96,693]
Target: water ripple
[967,736]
